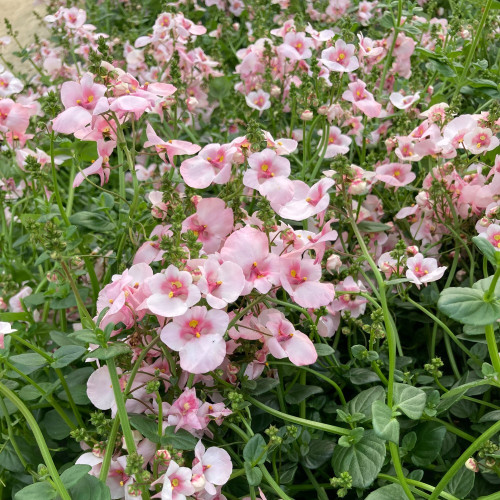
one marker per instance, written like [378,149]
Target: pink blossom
[221,284]
[353,303]
[338,144]
[492,234]
[100,166]
[368,48]
[176,483]
[454,132]
[422,271]
[184,412]
[198,336]
[395,174]
[249,248]
[150,251]
[5,329]
[362,99]
[286,342]
[258,100]
[172,293]
[171,147]
[480,140]
[9,84]
[307,201]
[340,58]
[283,146]
[296,46]
[79,100]
[401,101]
[300,278]
[212,165]
[211,223]
[214,464]
[15,304]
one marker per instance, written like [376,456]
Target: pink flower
[211,223]
[422,271]
[306,201]
[268,174]
[406,150]
[354,303]
[214,465]
[198,336]
[338,144]
[480,140]
[124,296]
[184,412]
[100,166]
[79,99]
[455,130]
[296,46]
[300,278]
[212,165]
[249,248]
[340,58]
[395,174]
[401,101]
[176,483]
[492,234]
[5,329]
[9,84]
[286,342]
[282,146]
[171,147]
[362,99]
[15,304]
[221,284]
[259,100]
[150,251]
[172,293]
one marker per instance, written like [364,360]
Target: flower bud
[307,115]
[333,263]
[412,250]
[192,103]
[198,482]
[163,455]
[357,187]
[275,91]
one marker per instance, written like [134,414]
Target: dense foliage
[251,249]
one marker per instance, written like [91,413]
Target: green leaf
[109,352]
[29,359]
[362,403]
[384,424]
[301,392]
[90,488]
[93,221]
[36,491]
[491,416]
[67,354]
[320,450]
[255,451]
[71,476]
[391,491]
[55,426]
[410,400]
[363,460]
[181,439]
[442,68]
[486,248]
[372,227]
[146,426]
[430,436]
[11,317]
[324,349]
[467,306]
[254,474]
[461,483]
[264,385]
[484,285]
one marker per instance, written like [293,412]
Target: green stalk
[472,49]
[42,445]
[332,429]
[110,448]
[418,484]
[492,347]
[460,462]
[391,345]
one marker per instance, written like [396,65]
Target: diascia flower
[211,223]
[213,464]
[5,329]
[259,100]
[492,234]
[177,483]
[395,174]
[283,341]
[198,335]
[340,58]
[422,271]
[362,99]
[480,140]
[172,293]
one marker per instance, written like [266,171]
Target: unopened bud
[307,115]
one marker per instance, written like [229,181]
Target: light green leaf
[384,424]
[410,400]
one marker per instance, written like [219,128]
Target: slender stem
[418,484]
[42,445]
[492,347]
[391,48]
[110,448]
[494,429]
[332,429]
[274,485]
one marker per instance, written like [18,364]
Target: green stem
[460,462]
[492,347]
[418,484]
[391,48]
[110,448]
[332,429]
[472,49]
[42,445]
